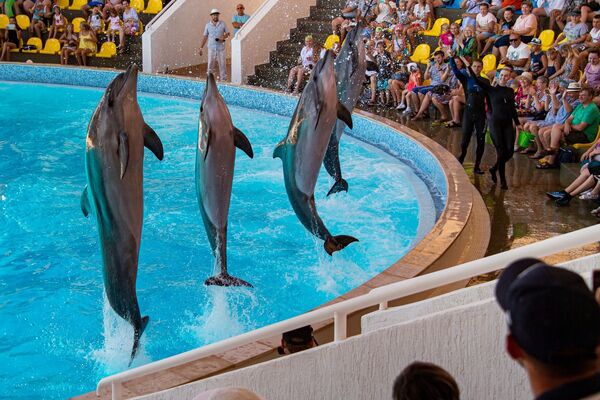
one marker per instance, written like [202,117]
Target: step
[283,60]
[324,14]
[299,35]
[331,3]
[290,47]
[313,27]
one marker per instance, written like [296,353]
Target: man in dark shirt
[554,329]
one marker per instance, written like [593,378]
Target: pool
[58,335]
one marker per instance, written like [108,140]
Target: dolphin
[303,149]
[215,159]
[350,66]
[114,157]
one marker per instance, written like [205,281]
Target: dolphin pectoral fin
[152,142]
[123,152]
[336,243]
[344,115]
[137,334]
[85,202]
[242,142]
[224,279]
[338,186]
[278,152]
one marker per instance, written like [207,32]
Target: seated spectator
[69,42]
[95,20]
[591,41]
[400,45]
[425,381]
[414,80]
[590,8]
[12,39]
[554,62]
[112,4]
[446,39]
[456,36]
[569,70]
[228,394]
[91,4]
[538,62]
[131,20]
[549,8]
[421,15]
[87,44]
[384,12]
[471,8]
[37,26]
[59,23]
[514,4]
[403,17]
[575,31]
[517,54]
[503,27]
[305,65]
[350,12]
[580,127]
[485,25]
[396,85]
[467,44]
[570,6]
[553,329]
[297,340]
[436,71]
[525,26]
[591,74]
[24,7]
[440,95]
[115,27]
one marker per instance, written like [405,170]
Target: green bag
[488,137]
[525,138]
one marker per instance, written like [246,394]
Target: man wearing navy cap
[554,329]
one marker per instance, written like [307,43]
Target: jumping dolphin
[303,148]
[215,158]
[350,66]
[114,158]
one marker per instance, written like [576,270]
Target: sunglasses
[240,8]
[514,40]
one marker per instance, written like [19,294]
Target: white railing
[270,23]
[379,296]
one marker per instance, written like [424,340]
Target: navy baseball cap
[551,313]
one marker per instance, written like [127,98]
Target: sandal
[452,124]
[538,155]
[546,165]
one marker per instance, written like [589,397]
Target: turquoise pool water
[58,336]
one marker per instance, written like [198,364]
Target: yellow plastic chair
[52,47]
[458,21]
[77,24]
[18,49]
[547,38]
[489,63]
[34,41]
[585,146]
[140,29]
[154,7]
[138,5]
[23,21]
[330,41]
[63,4]
[421,53]
[436,30]
[77,4]
[3,21]
[108,50]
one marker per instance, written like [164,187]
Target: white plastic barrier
[258,37]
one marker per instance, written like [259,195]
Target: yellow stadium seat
[108,50]
[77,24]
[436,30]
[489,63]
[63,4]
[3,21]
[77,4]
[138,5]
[140,29]
[458,21]
[153,7]
[330,41]
[23,21]
[585,146]
[421,53]
[18,49]
[52,47]
[547,38]
[34,41]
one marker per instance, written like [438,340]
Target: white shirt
[595,35]
[518,53]
[306,55]
[482,22]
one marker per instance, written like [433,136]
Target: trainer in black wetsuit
[473,119]
[502,129]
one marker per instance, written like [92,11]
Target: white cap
[214,11]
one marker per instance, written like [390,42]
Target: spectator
[215,33]
[239,19]
[435,72]
[414,80]
[446,39]
[440,95]
[69,41]
[425,381]
[351,11]
[456,34]
[549,8]
[87,44]
[503,27]
[297,340]
[580,127]
[471,8]
[384,72]
[517,54]
[91,4]
[525,26]
[305,65]
[115,27]
[95,20]
[12,39]
[569,70]
[59,23]
[421,15]
[400,45]
[554,328]
[538,62]
[575,31]
[467,44]
[116,4]
[384,12]
[514,4]
[571,6]
[485,25]
[554,62]
[403,17]
[591,74]
[23,7]
[591,41]
[131,23]
[37,26]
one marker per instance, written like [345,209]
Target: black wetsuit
[504,113]
[473,119]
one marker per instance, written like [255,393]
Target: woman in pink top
[591,74]
[526,26]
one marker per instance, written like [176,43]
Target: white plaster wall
[172,40]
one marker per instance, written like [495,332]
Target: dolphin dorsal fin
[344,115]
[123,152]
[278,152]
[85,202]
[241,142]
[152,142]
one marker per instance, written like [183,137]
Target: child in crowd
[12,38]
[384,72]
[69,41]
[95,20]
[414,80]
[400,45]
[115,27]
[59,23]
[554,62]
[403,17]
[446,39]
[575,32]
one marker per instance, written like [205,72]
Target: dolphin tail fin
[242,142]
[85,202]
[152,142]
[336,243]
[224,279]
[338,186]
[136,337]
[344,114]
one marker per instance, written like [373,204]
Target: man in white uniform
[215,33]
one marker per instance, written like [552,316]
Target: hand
[503,60]
[553,88]
[567,129]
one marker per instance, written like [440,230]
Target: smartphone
[596,280]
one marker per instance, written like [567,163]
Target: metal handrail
[379,296]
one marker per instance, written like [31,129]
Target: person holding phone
[215,34]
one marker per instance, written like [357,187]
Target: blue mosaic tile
[425,165]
